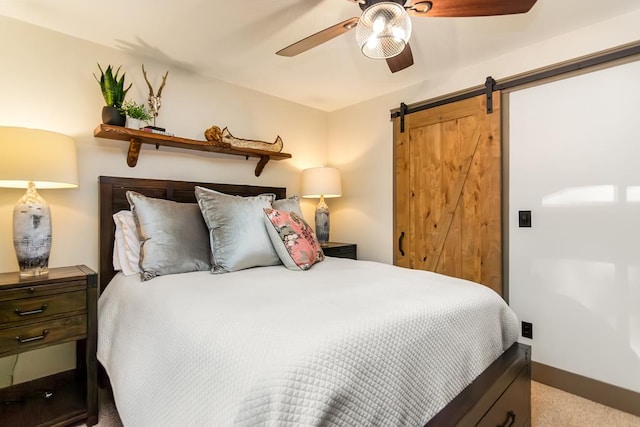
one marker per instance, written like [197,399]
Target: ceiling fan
[384,28]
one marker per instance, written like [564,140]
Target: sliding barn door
[447,200]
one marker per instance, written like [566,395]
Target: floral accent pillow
[294,241]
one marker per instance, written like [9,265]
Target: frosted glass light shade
[322,181]
[383,30]
[31,159]
[46,158]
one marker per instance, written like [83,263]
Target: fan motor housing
[419,7]
[364,4]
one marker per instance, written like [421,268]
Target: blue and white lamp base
[322,221]
[32,233]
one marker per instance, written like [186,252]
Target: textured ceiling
[236,41]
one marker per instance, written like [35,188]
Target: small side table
[39,312]
[340,250]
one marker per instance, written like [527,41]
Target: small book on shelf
[154,128]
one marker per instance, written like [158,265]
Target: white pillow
[116,253]
[126,248]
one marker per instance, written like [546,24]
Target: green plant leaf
[112,86]
[136,111]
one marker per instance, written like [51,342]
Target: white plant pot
[133,123]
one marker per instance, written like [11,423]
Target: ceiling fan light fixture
[398,33]
[383,30]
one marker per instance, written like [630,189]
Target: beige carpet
[550,408]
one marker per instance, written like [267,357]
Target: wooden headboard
[112,199]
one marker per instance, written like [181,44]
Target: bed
[343,343]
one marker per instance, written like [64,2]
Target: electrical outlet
[527,330]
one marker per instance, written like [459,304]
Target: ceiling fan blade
[401,61]
[466,8]
[318,38]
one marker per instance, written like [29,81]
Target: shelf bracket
[261,164]
[134,151]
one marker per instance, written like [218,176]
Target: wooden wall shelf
[138,137]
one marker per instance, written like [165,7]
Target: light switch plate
[524,218]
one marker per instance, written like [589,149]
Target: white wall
[46,82]
[576,273]
[361,145]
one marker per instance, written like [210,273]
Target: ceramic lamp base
[32,233]
[322,221]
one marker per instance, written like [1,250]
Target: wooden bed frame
[500,396]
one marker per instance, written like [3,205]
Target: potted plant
[113,91]
[135,114]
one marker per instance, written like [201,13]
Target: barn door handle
[400,240]
[511,418]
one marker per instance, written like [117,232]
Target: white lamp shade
[322,181]
[46,158]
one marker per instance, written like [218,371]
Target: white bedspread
[347,343]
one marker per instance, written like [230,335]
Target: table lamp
[321,182]
[33,158]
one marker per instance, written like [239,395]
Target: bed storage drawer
[34,335]
[478,403]
[511,409]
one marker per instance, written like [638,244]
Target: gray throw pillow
[292,204]
[174,236]
[238,236]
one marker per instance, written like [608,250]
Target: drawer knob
[19,312]
[31,339]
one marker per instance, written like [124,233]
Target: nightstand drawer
[26,291]
[28,337]
[26,309]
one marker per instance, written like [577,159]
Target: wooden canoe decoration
[223,138]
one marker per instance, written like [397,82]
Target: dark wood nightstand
[340,250]
[43,311]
